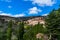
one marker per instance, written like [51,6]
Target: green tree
[2,33]
[31,33]
[53,24]
[9,30]
[20,30]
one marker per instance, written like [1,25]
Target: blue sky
[19,8]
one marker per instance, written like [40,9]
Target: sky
[20,8]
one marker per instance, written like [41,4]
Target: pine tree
[20,31]
[53,24]
[9,30]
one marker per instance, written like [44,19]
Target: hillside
[18,19]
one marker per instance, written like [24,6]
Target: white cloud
[9,14]
[1,11]
[25,0]
[43,2]
[45,14]
[6,0]
[9,6]
[6,14]
[19,15]
[34,10]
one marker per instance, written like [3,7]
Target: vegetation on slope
[36,32]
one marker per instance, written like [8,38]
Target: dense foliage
[20,31]
[31,34]
[9,31]
[53,24]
